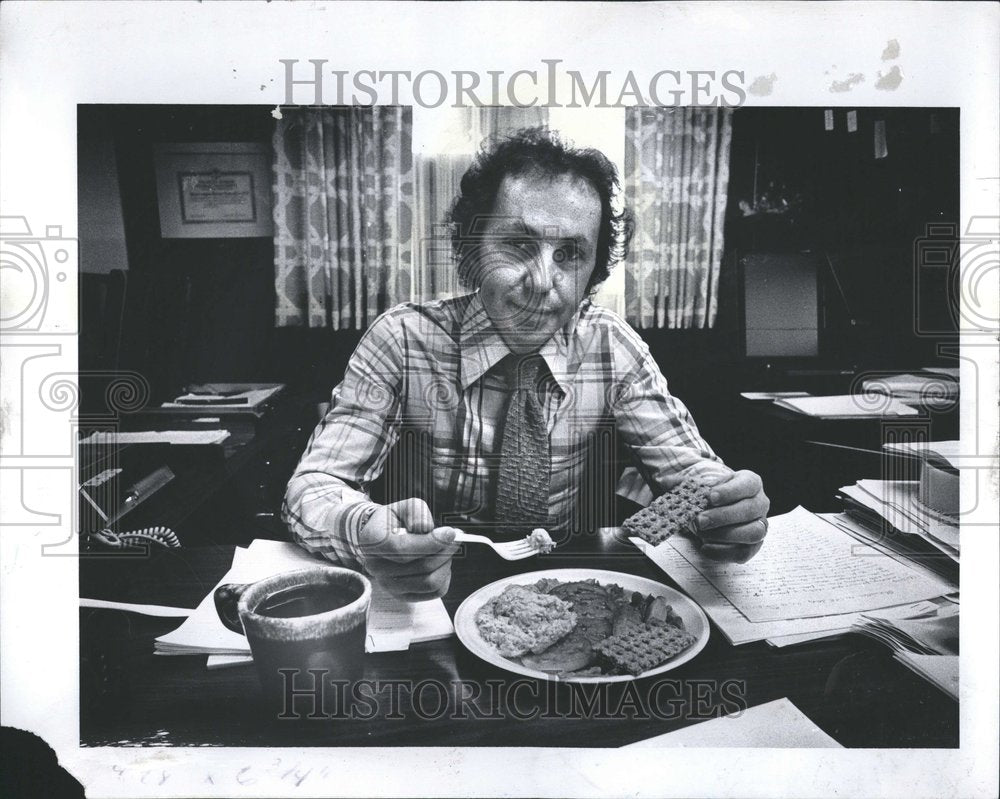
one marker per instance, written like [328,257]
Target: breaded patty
[522,620]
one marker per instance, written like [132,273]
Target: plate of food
[581,625]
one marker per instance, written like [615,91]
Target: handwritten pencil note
[809,568]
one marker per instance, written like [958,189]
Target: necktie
[523,483]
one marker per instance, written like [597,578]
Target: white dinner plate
[694,618]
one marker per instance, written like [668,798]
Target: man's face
[539,255]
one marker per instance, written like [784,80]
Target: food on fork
[541,540]
[670,513]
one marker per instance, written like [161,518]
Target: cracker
[638,647]
[670,513]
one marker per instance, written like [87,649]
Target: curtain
[438,182]
[343,217]
[676,180]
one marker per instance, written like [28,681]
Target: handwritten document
[809,568]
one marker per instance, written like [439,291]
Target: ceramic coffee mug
[309,620]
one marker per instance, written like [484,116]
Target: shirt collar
[482,347]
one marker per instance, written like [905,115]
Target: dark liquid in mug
[307,600]
[284,663]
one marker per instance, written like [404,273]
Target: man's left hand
[733,526]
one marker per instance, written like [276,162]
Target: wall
[102,229]
[195,309]
[202,309]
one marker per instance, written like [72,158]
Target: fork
[509,550]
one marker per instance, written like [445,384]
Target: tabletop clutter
[817,576]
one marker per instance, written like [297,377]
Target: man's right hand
[400,548]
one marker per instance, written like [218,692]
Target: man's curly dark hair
[537,150]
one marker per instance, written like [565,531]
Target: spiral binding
[160,536]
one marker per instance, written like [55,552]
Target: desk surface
[850,687]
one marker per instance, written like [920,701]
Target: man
[504,387]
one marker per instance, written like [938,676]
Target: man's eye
[566,254]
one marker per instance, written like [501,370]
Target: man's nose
[545,272]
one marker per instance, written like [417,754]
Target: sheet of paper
[227,661]
[202,631]
[950,371]
[847,406]
[891,546]
[809,568]
[146,610]
[254,398]
[946,449]
[772,395]
[780,641]
[897,502]
[778,724]
[937,385]
[736,627]
[939,670]
[394,624]
[927,610]
[159,437]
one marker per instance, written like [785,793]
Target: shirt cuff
[355,517]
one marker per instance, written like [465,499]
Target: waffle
[668,514]
[638,647]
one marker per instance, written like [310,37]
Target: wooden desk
[804,460]
[850,687]
[229,493]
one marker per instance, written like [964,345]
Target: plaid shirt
[428,378]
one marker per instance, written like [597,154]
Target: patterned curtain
[676,180]
[343,219]
[438,182]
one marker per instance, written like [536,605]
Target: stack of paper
[847,406]
[773,725]
[926,388]
[810,580]
[934,632]
[949,371]
[939,670]
[896,502]
[926,642]
[772,395]
[251,398]
[178,437]
[948,451]
[392,623]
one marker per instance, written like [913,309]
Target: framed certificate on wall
[214,190]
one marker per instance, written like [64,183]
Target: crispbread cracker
[638,647]
[670,513]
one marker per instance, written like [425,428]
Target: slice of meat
[624,615]
[573,652]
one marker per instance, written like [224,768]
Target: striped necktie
[523,483]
